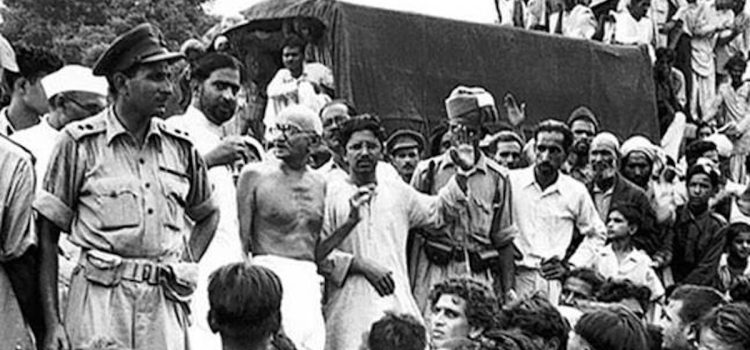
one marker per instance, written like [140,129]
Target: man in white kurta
[202,122]
[379,239]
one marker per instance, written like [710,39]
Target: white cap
[74,78]
[7,56]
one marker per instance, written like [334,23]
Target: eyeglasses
[92,108]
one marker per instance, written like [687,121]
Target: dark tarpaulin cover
[402,66]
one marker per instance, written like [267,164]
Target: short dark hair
[732,231]
[394,331]
[737,60]
[614,328]
[245,301]
[294,41]
[536,316]
[593,278]
[664,54]
[511,340]
[481,301]
[629,211]
[359,123]
[740,291]
[551,125]
[202,68]
[33,63]
[615,290]
[696,149]
[697,301]
[730,323]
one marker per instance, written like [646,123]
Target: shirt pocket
[118,200]
[175,187]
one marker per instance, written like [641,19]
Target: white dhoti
[301,309]
[530,281]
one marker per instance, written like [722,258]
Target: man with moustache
[280,205]
[547,206]
[215,81]
[405,149]
[478,242]
[121,183]
[376,277]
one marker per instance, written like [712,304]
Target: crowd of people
[127,225]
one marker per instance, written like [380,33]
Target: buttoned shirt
[488,191]
[546,218]
[16,236]
[115,195]
[602,200]
[635,267]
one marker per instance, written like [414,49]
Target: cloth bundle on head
[639,144]
[505,135]
[74,78]
[608,141]
[463,100]
[707,167]
[302,117]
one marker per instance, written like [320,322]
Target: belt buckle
[146,273]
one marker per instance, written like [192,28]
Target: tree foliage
[79,30]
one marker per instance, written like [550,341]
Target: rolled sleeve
[60,188]
[54,209]
[16,219]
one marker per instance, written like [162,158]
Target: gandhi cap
[142,44]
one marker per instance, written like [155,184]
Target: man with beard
[547,207]
[280,207]
[215,83]
[608,188]
[376,277]
[405,149]
[121,184]
[584,126]
[478,242]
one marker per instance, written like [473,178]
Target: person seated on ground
[614,328]
[536,317]
[696,238]
[685,307]
[580,288]
[635,298]
[461,309]
[726,327]
[623,257]
[245,305]
[734,263]
[395,331]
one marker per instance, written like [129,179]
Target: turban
[723,145]
[606,141]
[639,144]
[583,113]
[466,99]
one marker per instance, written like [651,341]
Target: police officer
[121,183]
[479,242]
[405,149]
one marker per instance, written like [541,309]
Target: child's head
[738,240]
[702,182]
[623,221]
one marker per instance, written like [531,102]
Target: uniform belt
[140,271]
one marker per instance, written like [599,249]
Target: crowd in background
[142,211]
